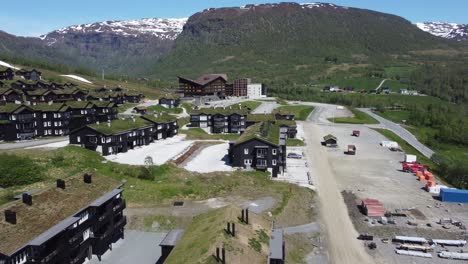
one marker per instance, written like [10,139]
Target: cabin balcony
[121,205]
[121,222]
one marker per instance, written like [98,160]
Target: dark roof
[207,78]
[172,237]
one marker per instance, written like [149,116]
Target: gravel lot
[374,172]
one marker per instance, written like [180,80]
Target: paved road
[401,132]
[30,143]
[381,83]
[266,108]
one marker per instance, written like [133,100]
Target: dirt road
[342,243]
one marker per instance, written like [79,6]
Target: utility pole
[103,74]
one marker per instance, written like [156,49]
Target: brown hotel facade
[208,84]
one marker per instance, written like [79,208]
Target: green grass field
[359,118]
[395,116]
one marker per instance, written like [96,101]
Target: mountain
[288,40]
[119,47]
[445,30]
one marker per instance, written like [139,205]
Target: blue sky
[33,18]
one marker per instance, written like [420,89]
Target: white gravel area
[210,159]
[54,145]
[161,151]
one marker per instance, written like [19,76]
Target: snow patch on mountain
[7,65]
[304,5]
[163,28]
[78,78]
[445,30]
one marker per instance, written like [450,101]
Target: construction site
[400,211]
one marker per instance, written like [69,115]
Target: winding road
[401,132]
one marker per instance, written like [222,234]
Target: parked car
[293,155]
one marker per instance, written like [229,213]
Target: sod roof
[50,107]
[221,110]
[329,136]
[49,207]
[119,126]
[267,131]
[164,118]
[10,108]
[260,117]
[104,104]
[80,104]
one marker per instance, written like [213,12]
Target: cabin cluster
[25,122]
[120,135]
[78,218]
[217,85]
[220,120]
[31,107]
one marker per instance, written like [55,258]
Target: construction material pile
[372,208]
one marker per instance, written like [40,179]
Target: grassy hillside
[289,42]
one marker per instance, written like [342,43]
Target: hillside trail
[343,247]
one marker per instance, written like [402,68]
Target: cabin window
[44,115]
[261,162]
[246,151]
[78,139]
[248,162]
[273,151]
[274,162]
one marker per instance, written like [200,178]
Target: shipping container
[454,195]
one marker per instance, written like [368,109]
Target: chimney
[223,255]
[109,123]
[10,217]
[87,178]
[61,184]
[97,122]
[50,102]
[247,216]
[27,199]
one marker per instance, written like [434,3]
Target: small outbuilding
[330,141]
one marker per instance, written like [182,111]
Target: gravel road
[401,132]
[343,247]
[30,143]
